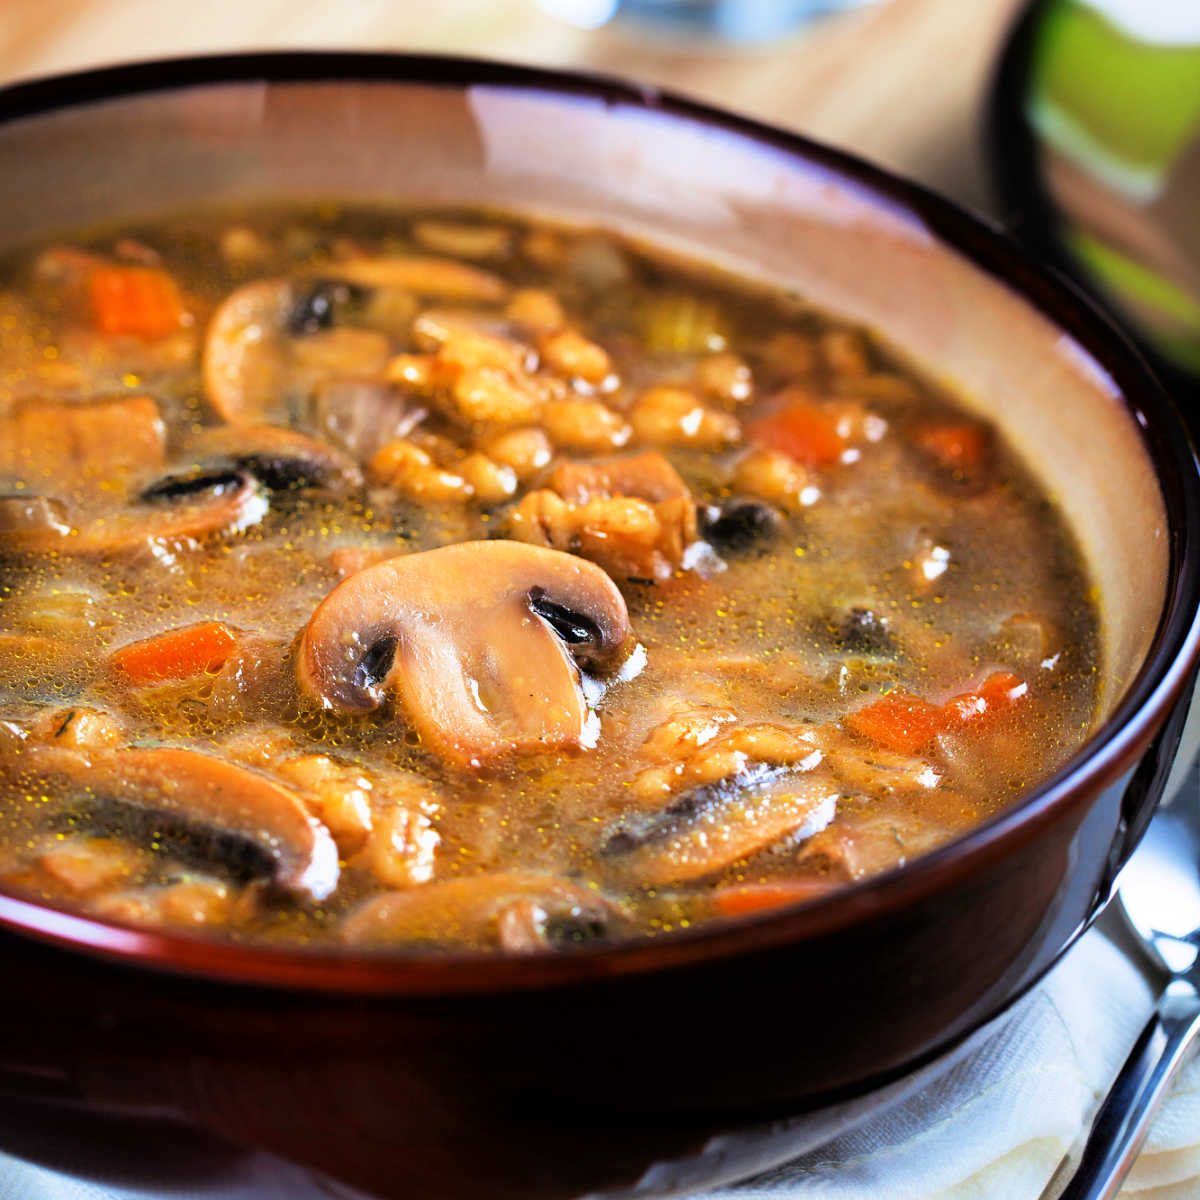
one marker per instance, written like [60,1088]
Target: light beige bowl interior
[699,190]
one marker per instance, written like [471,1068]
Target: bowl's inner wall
[703,191]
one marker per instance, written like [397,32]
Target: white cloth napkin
[991,1121]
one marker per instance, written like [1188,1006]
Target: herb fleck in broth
[750,610]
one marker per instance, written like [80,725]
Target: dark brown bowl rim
[1113,750]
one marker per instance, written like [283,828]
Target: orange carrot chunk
[757,897]
[900,721]
[998,693]
[176,654]
[801,430]
[958,447]
[904,722]
[143,301]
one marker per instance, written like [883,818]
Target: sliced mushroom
[516,912]
[280,459]
[320,304]
[440,278]
[362,415]
[174,510]
[481,641]
[272,344]
[71,460]
[462,240]
[245,367]
[214,810]
[715,825]
[435,327]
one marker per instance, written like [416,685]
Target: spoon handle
[1131,1105]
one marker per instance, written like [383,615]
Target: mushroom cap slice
[263,358]
[244,364]
[225,811]
[73,460]
[481,641]
[520,912]
[182,508]
[279,458]
[174,510]
[715,825]
[363,415]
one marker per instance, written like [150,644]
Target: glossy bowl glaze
[549,1075]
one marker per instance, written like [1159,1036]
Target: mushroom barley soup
[438,580]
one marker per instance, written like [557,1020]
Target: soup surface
[438,580]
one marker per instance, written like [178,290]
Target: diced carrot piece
[1003,687]
[904,722]
[756,897]
[176,654]
[801,430]
[143,301]
[959,447]
[998,692]
[899,721]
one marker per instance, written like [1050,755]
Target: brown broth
[903,553]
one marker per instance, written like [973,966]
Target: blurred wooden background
[900,82]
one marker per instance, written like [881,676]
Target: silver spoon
[1159,896]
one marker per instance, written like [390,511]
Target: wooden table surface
[901,82]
